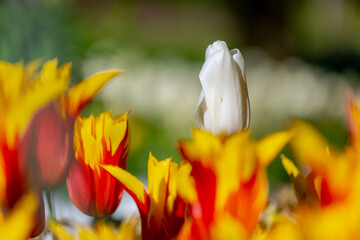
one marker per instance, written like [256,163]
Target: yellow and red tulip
[53,127]
[282,228]
[22,94]
[162,209]
[23,214]
[230,182]
[100,140]
[101,231]
[27,211]
[328,196]
[328,180]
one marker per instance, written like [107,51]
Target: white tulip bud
[223,105]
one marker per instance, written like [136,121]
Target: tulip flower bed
[219,190]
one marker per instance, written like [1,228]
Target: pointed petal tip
[289,166]
[131,184]
[81,93]
[114,71]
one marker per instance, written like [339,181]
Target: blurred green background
[301,56]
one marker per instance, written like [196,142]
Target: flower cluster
[36,137]
[219,190]
[328,199]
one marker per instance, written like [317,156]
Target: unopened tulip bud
[223,105]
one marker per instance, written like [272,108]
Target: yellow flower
[329,202]
[162,210]
[100,140]
[101,231]
[331,171]
[22,214]
[230,181]
[19,222]
[36,127]
[283,228]
[54,124]
[22,94]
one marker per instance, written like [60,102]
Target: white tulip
[223,105]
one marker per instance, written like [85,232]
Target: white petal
[216,46]
[211,86]
[239,59]
[247,121]
[200,110]
[207,123]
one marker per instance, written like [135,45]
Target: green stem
[51,210]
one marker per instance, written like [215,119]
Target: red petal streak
[15,179]
[325,197]
[205,181]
